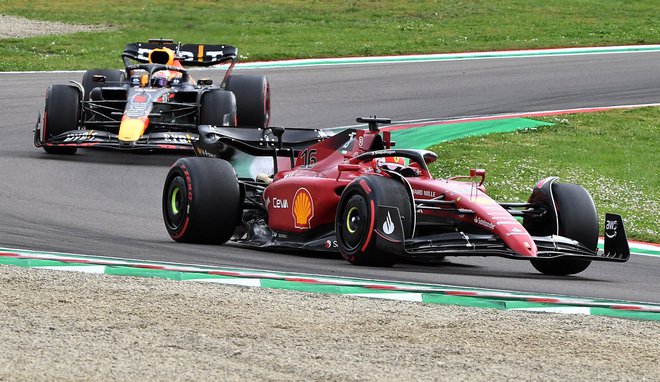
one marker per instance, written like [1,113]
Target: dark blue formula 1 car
[153,103]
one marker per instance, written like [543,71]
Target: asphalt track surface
[108,203]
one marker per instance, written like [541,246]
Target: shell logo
[303,209]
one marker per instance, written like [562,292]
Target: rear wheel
[112,78]
[201,201]
[356,220]
[218,108]
[61,114]
[578,220]
[252,99]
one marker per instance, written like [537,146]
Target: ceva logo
[303,209]
[280,203]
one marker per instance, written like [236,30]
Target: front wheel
[578,220]
[218,108]
[252,99]
[201,201]
[61,114]
[374,217]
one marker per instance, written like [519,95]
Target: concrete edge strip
[334,61]
[439,294]
[452,56]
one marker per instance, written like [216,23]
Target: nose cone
[523,245]
[131,129]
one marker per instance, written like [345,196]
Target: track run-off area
[106,205]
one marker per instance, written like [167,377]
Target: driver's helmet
[163,78]
[391,163]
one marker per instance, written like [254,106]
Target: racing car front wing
[462,244]
[154,141]
[434,248]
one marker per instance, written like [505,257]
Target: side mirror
[478,172]
[98,78]
[205,82]
[430,157]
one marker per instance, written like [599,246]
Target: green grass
[614,155]
[282,29]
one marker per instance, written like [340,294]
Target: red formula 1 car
[153,104]
[353,193]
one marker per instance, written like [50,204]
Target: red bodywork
[305,198]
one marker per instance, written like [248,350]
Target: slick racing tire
[252,99]
[356,219]
[112,78]
[218,108]
[201,201]
[61,114]
[578,220]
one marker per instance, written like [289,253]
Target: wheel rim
[176,202]
[354,222]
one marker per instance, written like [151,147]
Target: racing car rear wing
[188,54]
[218,141]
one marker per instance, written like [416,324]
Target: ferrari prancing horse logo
[303,209]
